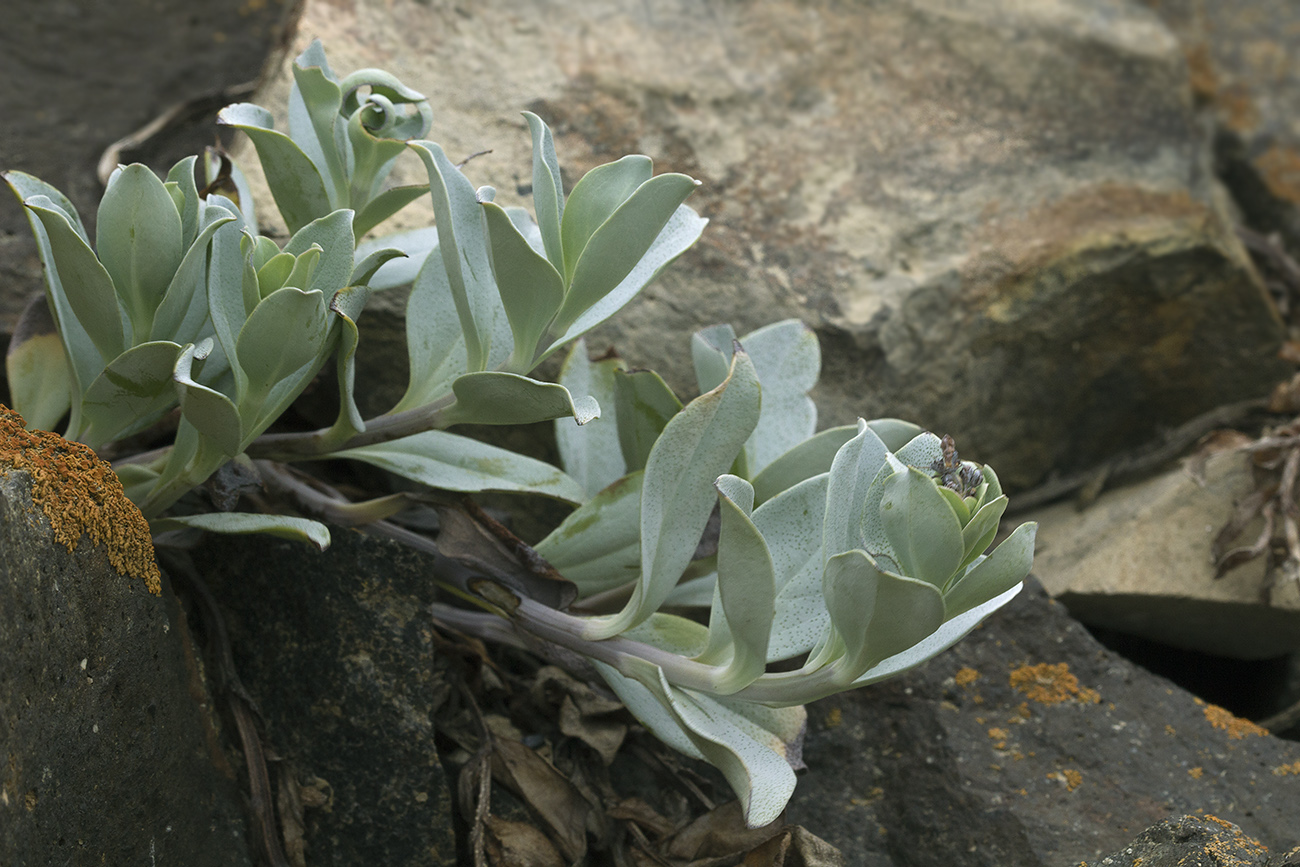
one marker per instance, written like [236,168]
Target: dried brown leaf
[638,812]
[470,537]
[516,844]
[795,847]
[547,791]
[720,832]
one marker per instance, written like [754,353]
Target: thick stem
[385,428]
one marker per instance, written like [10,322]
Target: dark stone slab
[1031,744]
[337,650]
[108,750]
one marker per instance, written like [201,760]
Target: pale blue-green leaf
[333,234]
[643,406]
[993,488]
[25,186]
[182,174]
[367,267]
[531,289]
[41,384]
[895,433]
[753,760]
[300,275]
[872,529]
[788,360]
[226,305]
[548,190]
[956,503]
[655,714]
[184,308]
[746,586]
[138,239]
[296,184]
[372,157]
[598,546]
[693,592]
[463,241]
[243,523]
[84,359]
[454,463]
[877,614]
[416,244]
[678,635]
[318,100]
[682,230]
[952,631]
[591,452]
[978,534]
[136,480]
[921,526]
[280,348]
[263,251]
[992,576]
[809,458]
[434,341]
[492,397]
[699,444]
[134,390]
[596,196]
[275,273]
[791,523]
[527,226]
[852,472]
[711,350]
[921,451]
[243,199]
[212,414]
[384,205]
[616,247]
[88,286]
[347,306]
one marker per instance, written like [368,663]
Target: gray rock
[1185,840]
[1238,55]
[1138,561]
[1030,745]
[338,651]
[111,751]
[1000,217]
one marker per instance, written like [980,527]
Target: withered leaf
[470,537]
[516,844]
[721,832]
[547,791]
[795,847]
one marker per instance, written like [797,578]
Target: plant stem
[385,428]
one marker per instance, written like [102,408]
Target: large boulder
[1000,217]
[110,746]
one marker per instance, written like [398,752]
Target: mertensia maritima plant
[709,540]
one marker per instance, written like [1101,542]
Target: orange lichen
[81,496]
[1051,684]
[1280,168]
[966,676]
[1236,727]
[1069,776]
[1283,770]
[1195,773]
[1220,849]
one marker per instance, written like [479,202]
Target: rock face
[1193,840]
[1138,561]
[337,650]
[1000,217]
[81,76]
[110,754]
[1239,56]
[1030,745]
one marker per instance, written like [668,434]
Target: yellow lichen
[1195,773]
[1283,770]
[966,676]
[81,496]
[834,717]
[1236,727]
[1051,684]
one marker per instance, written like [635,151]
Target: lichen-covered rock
[1200,840]
[1027,745]
[107,755]
[1000,217]
[337,649]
